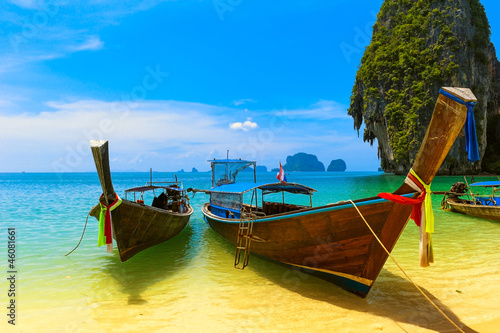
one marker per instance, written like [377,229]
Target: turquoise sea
[188,284]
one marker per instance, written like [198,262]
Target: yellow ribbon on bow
[429,214]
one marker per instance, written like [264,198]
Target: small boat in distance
[134,225]
[337,242]
[462,199]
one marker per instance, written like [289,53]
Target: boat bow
[101,158]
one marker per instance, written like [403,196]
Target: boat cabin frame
[227,197]
[467,195]
[493,199]
[175,195]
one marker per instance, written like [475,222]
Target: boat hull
[482,211]
[137,227]
[331,242]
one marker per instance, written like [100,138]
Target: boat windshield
[226,200]
[226,171]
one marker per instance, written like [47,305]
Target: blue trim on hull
[309,211]
[352,286]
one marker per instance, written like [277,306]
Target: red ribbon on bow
[107,220]
[416,213]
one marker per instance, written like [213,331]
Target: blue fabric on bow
[470,127]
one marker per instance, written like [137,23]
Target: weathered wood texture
[136,227]
[446,123]
[101,158]
[486,212]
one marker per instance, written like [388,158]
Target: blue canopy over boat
[154,187]
[240,188]
[490,183]
[234,160]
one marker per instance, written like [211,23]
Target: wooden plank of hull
[486,212]
[332,243]
[138,227]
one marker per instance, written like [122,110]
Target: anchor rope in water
[409,279]
[81,238]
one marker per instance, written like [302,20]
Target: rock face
[303,162]
[416,48]
[261,169]
[258,169]
[337,165]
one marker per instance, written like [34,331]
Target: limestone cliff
[416,48]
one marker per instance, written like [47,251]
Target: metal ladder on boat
[244,240]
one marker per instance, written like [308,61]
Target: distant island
[309,162]
[261,168]
[303,162]
[337,165]
[258,168]
[298,162]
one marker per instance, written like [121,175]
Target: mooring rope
[83,233]
[409,279]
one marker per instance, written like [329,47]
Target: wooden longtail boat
[136,226]
[331,242]
[459,200]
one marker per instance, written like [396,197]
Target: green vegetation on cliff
[416,48]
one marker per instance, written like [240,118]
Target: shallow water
[189,283]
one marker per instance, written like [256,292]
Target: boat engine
[458,188]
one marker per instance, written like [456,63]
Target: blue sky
[173,83]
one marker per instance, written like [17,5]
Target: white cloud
[138,132]
[164,135]
[38,50]
[93,43]
[245,126]
[322,110]
[243,101]
[44,30]
[6,103]
[28,4]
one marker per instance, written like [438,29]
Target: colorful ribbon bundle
[423,216]
[105,229]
